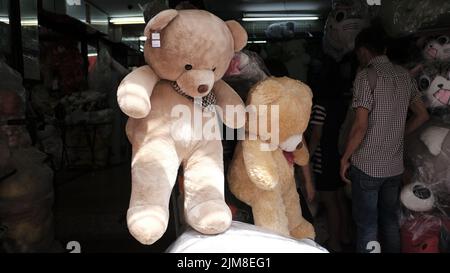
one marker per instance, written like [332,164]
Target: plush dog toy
[261,173]
[187,53]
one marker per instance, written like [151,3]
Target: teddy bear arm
[230,105]
[260,165]
[133,94]
[301,156]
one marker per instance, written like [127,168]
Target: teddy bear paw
[211,217]
[134,106]
[147,223]
[304,230]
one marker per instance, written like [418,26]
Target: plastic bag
[405,17]
[344,22]
[421,234]
[26,200]
[12,119]
[11,80]
[242,238]
[245,70]
[284,30]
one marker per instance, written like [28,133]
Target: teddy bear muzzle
[196,83]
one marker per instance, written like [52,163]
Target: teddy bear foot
[304,230]
[147,223]
[211,217]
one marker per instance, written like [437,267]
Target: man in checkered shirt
[373,159]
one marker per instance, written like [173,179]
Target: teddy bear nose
[441,86]
[203,88]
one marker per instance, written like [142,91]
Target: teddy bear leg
[205,207]
[299,227]
[154,171]
[269,211]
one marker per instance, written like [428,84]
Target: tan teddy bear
[263,177]
[187,53]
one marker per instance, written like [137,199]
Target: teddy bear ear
[266,92]
[160,21]
[239,35]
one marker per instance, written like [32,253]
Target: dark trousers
[376,210]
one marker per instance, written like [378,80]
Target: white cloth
[242,238]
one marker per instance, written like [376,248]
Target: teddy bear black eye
[188,67]
[214,69]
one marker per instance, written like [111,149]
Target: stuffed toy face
[435,85]
[194,64]
[428,153]
[437,49]
[343,24]
[295,98]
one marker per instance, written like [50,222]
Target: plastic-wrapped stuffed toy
[187,52]
[428,149]
[434,82]
[281,30]
[26,185]
[437,49]
[246,69]
[405,17]
[427,198]
[345,21]
[297,59]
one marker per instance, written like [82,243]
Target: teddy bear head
[434,83]
[293,101]
[437,48]
[191,48]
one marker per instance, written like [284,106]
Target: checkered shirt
[381,151]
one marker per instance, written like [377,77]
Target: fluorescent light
[257,42]
[127,20]
[143,38]
[282,18]
[92,54]
[99,22]
[29,22]
[25,22]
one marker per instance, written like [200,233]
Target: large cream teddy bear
[262,171]
[187,53]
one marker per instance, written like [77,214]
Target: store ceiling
[233,9]
[227,9]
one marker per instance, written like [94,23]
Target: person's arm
[317,121]
[418,109]
[362,103]
[355,138]
[419,116]
[309,186]
[316,135]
